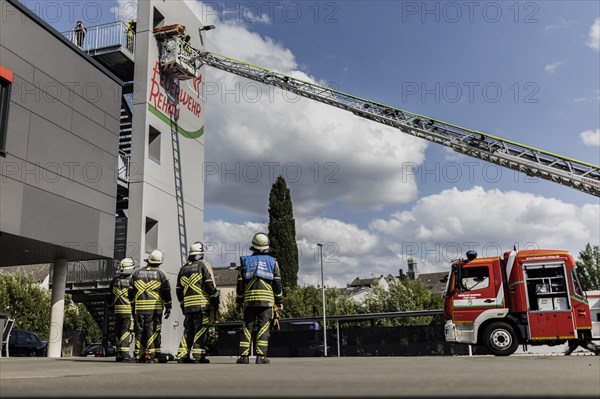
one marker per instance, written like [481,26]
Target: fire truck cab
[525,297]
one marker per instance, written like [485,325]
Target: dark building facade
[59,140]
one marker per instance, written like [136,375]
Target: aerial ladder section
[178,57]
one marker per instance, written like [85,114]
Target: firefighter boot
[242,360]
[262,360]
[202,360]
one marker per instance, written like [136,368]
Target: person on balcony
[79,34]
[131,35]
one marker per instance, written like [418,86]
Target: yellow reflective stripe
[122,309]
[253,297]
[195,301]
[262,330]
[190,282]
[261,291]
[148,288]
[121,295]
[183,349]
[246,332]
[148,304]
[200,333]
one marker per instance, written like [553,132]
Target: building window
[151,235]
[6,78]
[158,19]
[154,144]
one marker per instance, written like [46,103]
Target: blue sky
[526,71]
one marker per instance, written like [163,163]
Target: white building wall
[152,185]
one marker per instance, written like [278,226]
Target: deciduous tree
[24,300]
[588,267]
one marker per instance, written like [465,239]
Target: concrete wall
[57,180]
[152,185]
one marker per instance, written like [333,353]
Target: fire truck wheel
[500,339]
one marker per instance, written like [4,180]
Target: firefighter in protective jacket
[121,307]
[258,290]
[197,295]
[149,293]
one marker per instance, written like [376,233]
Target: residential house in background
[226,280]
[358,289]
[435,282]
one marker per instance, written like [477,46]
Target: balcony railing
[103,36]
[99,271]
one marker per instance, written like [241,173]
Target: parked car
[96,350]
[26,343]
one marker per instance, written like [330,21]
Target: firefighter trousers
[193,341]
[147,335]
[123,335]
[257,334]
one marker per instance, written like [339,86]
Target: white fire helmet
[155,257]
[126,266]
[260,242]
[196,248]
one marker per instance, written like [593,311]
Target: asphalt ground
[459,376]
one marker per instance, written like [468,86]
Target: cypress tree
[282,232]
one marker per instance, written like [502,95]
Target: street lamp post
[323,294]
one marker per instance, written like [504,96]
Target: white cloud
[242,13]
[345,249]
[255,133]
[594,35]
[124,10]
[591,137]
[445,225]
[437,229]
[551,68]
[561,24]
[334,159]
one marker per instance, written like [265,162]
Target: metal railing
[89,271]
[103,36]
[124,166]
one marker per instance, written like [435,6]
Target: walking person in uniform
[121,306]
[150,292]
[258,290]
[197,295]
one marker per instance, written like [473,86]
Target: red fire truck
[525,297]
